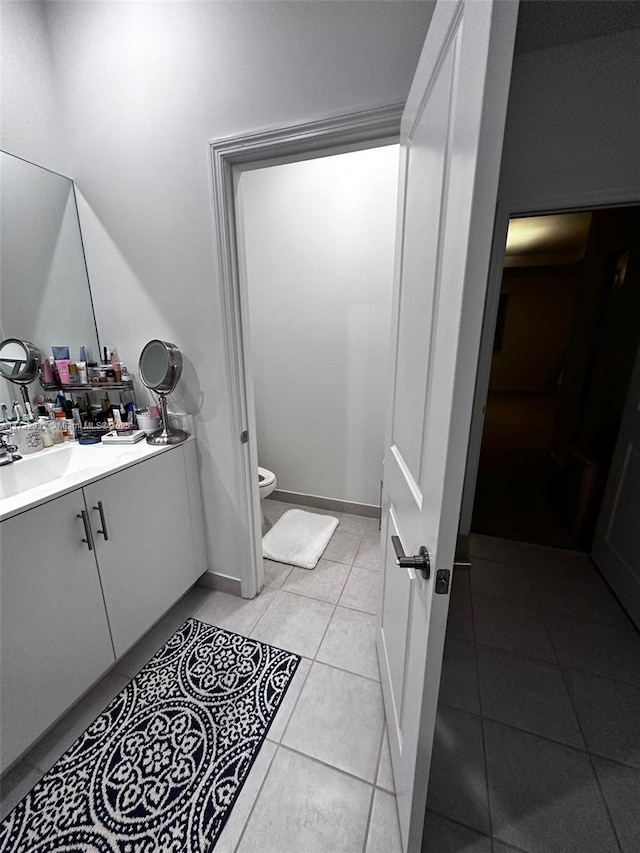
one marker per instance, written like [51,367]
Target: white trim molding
[350,132]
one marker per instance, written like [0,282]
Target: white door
[451,140]
[616,545]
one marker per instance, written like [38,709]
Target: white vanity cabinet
[54,635]
[145,552]
[70,608]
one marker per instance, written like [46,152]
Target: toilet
[266,484]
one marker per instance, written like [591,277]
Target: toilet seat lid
[265,477]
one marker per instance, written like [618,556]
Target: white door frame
[506,210]
[228,157]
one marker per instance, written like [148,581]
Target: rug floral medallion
[159,770]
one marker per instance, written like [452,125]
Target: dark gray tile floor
[537,744]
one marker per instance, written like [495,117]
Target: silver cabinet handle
[87,529]
[103,522]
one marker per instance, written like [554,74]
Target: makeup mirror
[19,362]
[160,367]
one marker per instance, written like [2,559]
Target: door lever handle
[419,563]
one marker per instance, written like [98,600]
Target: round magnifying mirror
[160,367]
[19,360]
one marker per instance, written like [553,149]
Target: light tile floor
[537,743]
[538,736]
[322,782]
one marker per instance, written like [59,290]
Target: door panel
[428,154]
[451,141]
[616,545]
[396,614]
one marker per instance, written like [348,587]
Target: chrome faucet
[6,450]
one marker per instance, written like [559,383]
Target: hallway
[520,491]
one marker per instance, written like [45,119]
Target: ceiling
[546,23]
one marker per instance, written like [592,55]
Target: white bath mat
[298,538]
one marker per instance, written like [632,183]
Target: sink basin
[32,471]
[48,473]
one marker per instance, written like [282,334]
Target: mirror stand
[168,434]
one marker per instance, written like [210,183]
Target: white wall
[319,248]
[572,130]
[143,87]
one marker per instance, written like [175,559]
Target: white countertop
[54,471]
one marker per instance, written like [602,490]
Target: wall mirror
[44,286]
[160,368]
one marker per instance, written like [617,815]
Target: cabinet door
[146,563]
[54,634]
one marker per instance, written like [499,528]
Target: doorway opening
[567,334]
[317,252]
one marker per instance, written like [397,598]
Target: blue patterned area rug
[160,769]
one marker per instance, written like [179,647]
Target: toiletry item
[28,438]
[124,374]
[60,353]
[117,369]
[154,411]
[62,419]
[57,435]
[74,375]
[47,438]
[62,366]
[75,414]
[48,376]
[82,372]
[83,354]
[89,439]
[115,437]
[147,423]
[110,375]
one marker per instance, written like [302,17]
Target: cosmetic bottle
[82,372]
[48,376]
[62,366]
[47,437]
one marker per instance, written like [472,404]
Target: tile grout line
[255,799]
[376,772]
[484,743]
[528,732]
[582,734]
[327,765]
